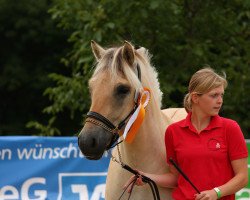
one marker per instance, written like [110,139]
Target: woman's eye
[216,95]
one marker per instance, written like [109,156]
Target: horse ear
[97,50]
[128,53]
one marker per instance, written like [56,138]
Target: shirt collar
[215,122]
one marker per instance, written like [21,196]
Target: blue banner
[53,168]
[39,168]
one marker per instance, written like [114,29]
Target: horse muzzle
[93,141]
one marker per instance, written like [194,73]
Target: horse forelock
[116,67]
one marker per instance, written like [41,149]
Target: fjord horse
[119,78]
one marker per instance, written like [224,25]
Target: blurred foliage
[30,47]
[182,36]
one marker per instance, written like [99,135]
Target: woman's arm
[168,180]
[240,179]
[238,182]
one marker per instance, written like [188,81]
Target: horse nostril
[93,142]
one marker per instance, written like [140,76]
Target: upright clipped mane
[113,62]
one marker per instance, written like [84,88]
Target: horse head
[114,88]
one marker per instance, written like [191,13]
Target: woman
[210,149]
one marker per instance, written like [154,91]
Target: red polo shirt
[206,157]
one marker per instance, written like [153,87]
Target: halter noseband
[96,118]
[107,125]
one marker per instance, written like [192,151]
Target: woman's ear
[195,97]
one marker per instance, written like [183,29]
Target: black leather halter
[100,120]
[107,125]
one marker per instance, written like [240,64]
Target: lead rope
[145,179]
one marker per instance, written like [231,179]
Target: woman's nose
[220,99]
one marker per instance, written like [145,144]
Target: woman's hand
[206,195]
[138,182]
[168,180]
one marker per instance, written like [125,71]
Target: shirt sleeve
[237,147]
[169,144]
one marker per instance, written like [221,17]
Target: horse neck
[148,145]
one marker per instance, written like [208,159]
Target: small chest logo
[217,145]
[214,144]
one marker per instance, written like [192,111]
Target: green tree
[183,36]
[31,48]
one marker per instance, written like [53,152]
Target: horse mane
[114,63]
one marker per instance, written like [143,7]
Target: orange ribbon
[137,118]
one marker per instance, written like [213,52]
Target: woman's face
[210,103]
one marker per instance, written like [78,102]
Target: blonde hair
[202,82]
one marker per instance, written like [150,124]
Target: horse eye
[122,90]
